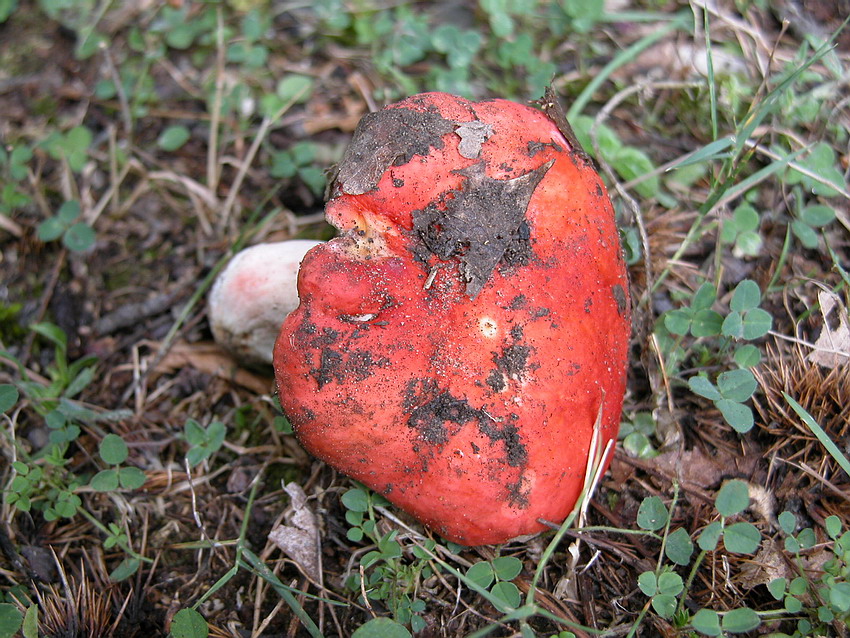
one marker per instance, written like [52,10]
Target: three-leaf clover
[740,537]
[822,162]
[498,573]
[662,589]
[72,146]
[745,319]
[732,389]
[742,231]
[809,219]
[299,160]
[77,236]
[698,318]
[203,442]
[113,451]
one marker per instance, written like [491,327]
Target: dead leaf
[769,564]
[832,347]
[299,538]
[691,467]
[211,359]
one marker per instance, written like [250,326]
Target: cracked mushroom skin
[456,344]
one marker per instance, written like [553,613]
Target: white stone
[253,295]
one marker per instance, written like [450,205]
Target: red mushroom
[456,344]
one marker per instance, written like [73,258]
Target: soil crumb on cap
[391,137]
[478,225]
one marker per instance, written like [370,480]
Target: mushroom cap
[459,342]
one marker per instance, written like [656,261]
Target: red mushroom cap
[455,345]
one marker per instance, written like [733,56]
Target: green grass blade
[712,84]
[283,591]
[709,152]
[763,173]
[772,100]
[818,431]
[520,614]
[634,16]
[221,582]
[256,564]
[623,57]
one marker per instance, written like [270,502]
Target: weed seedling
[637,434]
[203,441]
[299,161]
[387,574]
[42,480]
[77,236]
[496,575]
[745,321]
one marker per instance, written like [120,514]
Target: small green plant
[9,396]
[30,482]
[173,137]
[291,89]
[666,589]
[42,480]
[188,623]
[388,575]
[519,53]
[503,44]
[637,434]
[132,79]
[249,50]
[745,321]
[831,591]
[813,604]
[383,627]
[81,17]
[203,441]
[71,146]
[179,31]
[300,161]
[728,393]
[7,8]
[741,231]
[113,451]
[629,162]
[55,400]
[809,220]
[698,318]
[77,236]
[821,163]
[11,620]
[663,589]
[496,575]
